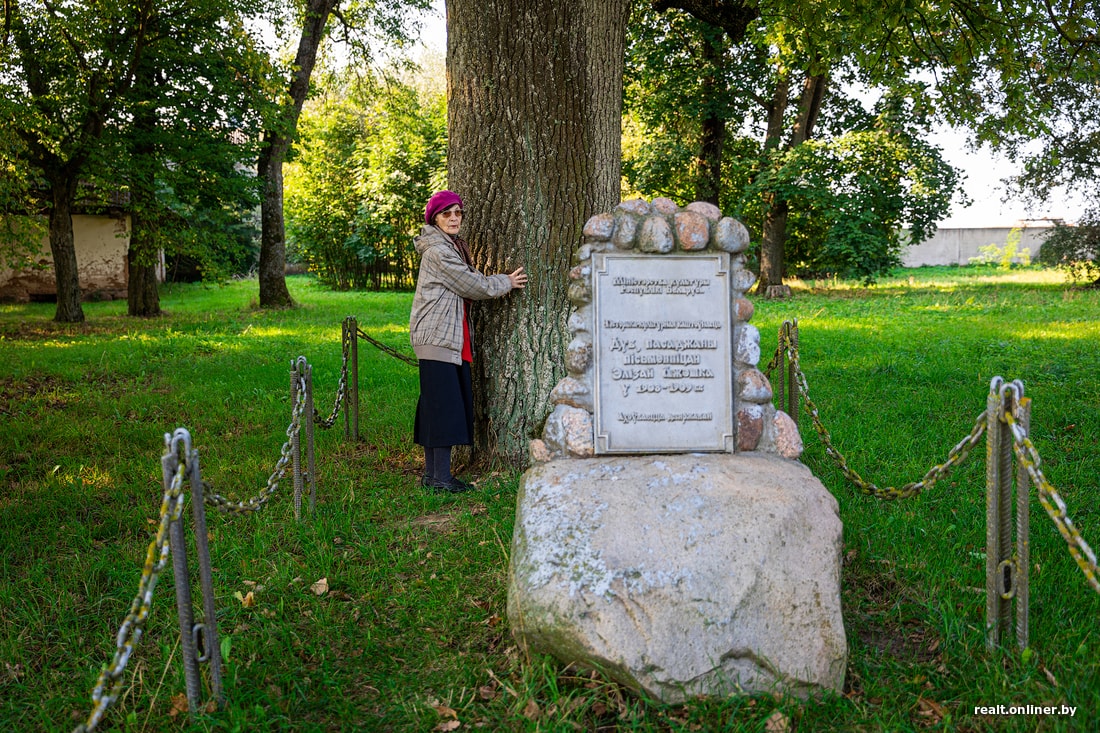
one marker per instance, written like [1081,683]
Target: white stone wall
[957,246]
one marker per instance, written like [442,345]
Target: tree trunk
[62,247]
[774,233]
[708,183]
[142,295]
[273,290]
[772,262]
[534,110]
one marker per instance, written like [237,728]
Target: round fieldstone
[742,280]
[580,320]
[638,207]
[692,231]
[626,230]
[753,386]
[743,309]
[665,206]
[578,356]
[539,452]
[572,392]
[580,292]
[747,350]
[731,235]
[788,442]
[750,426]
[707,209]
[656,236]
[600,227]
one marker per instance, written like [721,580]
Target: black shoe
[450,486]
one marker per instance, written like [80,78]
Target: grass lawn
[411,634]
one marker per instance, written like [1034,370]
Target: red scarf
[467,348]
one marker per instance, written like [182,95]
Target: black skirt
[445,410]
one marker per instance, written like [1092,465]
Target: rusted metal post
[353,380]
[1006,584]
[793,398]
[1007,575]
[209,650]
[781,382]
[1023,522]
[178,548]
[994,437]
[296,439]
[311,463]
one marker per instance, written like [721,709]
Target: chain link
[955,457]
[388,349]
[257,502]
[341,389]
[109,684]
[1053,504]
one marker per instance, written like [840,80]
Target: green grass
[414,623]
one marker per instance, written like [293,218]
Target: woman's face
[450,220]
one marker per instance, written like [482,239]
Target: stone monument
[666,532]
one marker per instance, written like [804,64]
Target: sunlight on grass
[414,616]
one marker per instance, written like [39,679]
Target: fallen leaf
[248,601]
[531,710]
[1050,677]
[488,692]
[778,723]
[179,705]
[931,709]
[211,707]
[320,587]
[447,725]
[444,711]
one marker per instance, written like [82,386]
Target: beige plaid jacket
[435,325]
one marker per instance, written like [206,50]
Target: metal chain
[955,457]
[388,349]
[257,502]
[1053,504]
[341,389]
[109,684]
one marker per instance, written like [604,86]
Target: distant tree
[63,71]
[534,114]
[191,116]
[360,23]
[1075,249]
[861,175]
[370,153]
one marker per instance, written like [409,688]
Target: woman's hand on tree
[518,278]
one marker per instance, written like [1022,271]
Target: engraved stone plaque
[662,341]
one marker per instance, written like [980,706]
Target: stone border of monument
[661,227]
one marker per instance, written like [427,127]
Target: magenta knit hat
[440,200]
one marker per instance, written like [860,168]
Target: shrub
[1075,249]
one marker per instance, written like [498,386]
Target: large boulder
[682,575]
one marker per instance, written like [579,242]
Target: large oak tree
[534,110]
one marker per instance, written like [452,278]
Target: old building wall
[101,245]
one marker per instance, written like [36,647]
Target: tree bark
[708,183]
[534,115]
[773,266]
[142,295]
[272,274]
[774,232]
[63,187]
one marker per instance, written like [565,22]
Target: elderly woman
[440,331]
